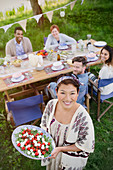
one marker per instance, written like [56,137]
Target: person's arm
[48,44]
[104,72]
[7,49]
[46,115]
[10,48]
[67,38]
[30,49]
[68,148]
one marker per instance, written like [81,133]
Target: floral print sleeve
[82,131]
[47,112]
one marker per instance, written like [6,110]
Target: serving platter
[15,80]
[28,132]
[92,59]
[100,43]
[63,47]
[55,69]
[22,57]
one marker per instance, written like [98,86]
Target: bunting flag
[50,15]
[82,2]
[37,17]
[41,2]
[23,24]
[6,27]
[72,4]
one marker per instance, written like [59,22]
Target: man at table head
[19,45]
[79,66]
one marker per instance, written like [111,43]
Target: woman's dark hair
[110,50]
[73,81]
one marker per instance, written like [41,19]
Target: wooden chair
[87,100]
[45,39]
[26,110]
[98,97]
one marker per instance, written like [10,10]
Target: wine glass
[88,36]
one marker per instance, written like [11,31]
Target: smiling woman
[56,38]
[70,126]
[106,72]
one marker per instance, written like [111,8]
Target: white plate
[92,59]
[17,80]
[100,43]
[40,68]
[22,57]
[55,69]
[18,129]
[68,43]
[63,47]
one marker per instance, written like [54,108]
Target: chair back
[26,110]
[104,82]
[45,39]
[100,98]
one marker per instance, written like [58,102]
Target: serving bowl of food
[17,62]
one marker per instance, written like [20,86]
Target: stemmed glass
[88,40]
[88,37]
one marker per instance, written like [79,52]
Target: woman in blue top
[56,38]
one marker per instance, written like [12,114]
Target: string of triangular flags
[49,15]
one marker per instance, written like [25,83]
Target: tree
[37,10]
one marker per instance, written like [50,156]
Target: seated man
[79,66]
[19,45]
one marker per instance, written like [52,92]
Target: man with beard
[79,66]
[19,45]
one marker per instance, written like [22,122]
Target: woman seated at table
[70,126]
[106,72]
[56,38]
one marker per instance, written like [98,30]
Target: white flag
[41,2]
[23,24]
[6,27]
[37,17]
[50,15]
[72,4]
[82,2]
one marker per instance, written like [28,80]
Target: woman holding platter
[70,126]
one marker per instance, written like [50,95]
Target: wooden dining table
[39,79]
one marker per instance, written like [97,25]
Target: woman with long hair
[106,72]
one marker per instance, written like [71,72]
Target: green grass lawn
[93,17]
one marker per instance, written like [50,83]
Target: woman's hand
[64,149]
[55,152]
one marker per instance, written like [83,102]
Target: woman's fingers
[54,153]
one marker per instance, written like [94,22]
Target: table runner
[48,69]
[9,83]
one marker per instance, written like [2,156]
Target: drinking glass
[2,70]
[73,48]
[88,36]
